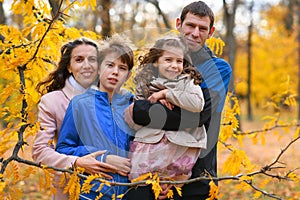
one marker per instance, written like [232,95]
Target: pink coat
[52,108]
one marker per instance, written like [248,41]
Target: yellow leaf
[297,133]
[120,196]
[257,194]
[178,189]
[2,186]
[99,196]
[216,44]
[142,177]
[294,177]
[100,187]
[237,161]
[213,191]
[170,194]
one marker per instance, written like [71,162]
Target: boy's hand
[122,164]
[93,166]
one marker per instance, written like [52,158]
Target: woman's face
[84,64]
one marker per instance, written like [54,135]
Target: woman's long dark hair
[56,79]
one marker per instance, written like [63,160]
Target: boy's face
[113,73]
[196,30]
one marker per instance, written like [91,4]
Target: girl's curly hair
[146,70]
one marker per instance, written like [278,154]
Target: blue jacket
[91,124]
[216,73]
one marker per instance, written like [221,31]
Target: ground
[259,154]
[263,155]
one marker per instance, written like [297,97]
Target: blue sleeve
[216,73]
[69,142]
[225,70]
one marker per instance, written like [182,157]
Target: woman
[77,70]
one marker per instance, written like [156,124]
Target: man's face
[195,29]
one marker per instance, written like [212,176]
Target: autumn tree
[29,52]
[272,64]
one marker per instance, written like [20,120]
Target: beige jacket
[184,93]
[52,108]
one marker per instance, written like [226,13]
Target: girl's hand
[122,164]
[157,96]
[93,166]
[169,105]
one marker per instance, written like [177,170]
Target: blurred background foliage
[262,44]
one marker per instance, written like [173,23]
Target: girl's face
[84,64]
[170,64]
[113,74]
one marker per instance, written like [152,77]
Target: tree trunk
[2,15]
[161,13]
[250,29]
[105,17]
[230,41]
[298,29]
[54,6]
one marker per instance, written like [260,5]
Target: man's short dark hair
[198,8]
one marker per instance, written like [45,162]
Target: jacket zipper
[116,142]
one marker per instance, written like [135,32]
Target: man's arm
[158,116]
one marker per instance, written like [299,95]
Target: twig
[266,129]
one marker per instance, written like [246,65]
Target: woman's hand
[122,164]
[93,166]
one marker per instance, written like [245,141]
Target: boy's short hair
[119,45]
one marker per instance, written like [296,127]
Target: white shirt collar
[76,85]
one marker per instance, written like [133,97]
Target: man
[196,23]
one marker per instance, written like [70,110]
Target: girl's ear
[155,64]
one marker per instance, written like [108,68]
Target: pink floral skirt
[170,161]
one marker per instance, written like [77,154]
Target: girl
[94,120]
[166,75]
